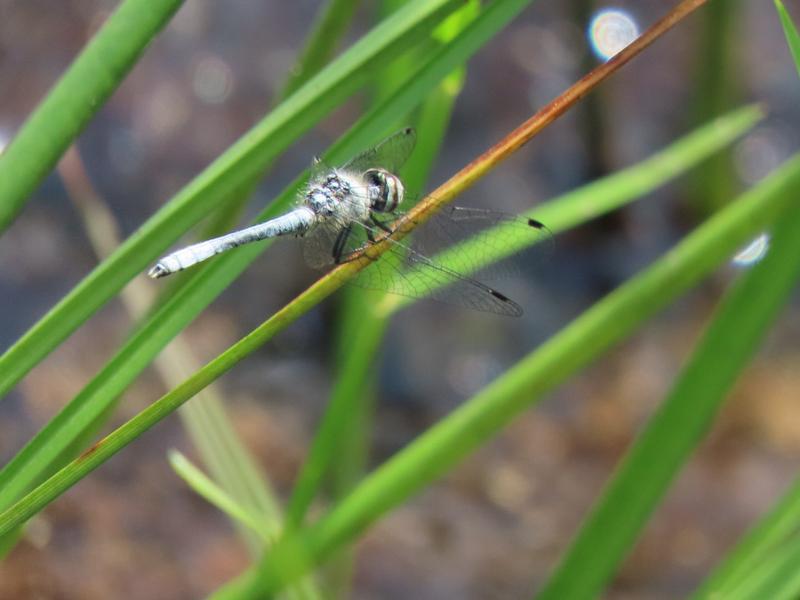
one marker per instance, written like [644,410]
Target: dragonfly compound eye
[385,190]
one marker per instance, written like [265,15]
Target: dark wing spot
[408,130]
[499,296]
[535,223]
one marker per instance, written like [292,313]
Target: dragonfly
[343,210]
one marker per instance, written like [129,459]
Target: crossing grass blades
[344,210]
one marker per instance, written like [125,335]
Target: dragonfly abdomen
[295,222]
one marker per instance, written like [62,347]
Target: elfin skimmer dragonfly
[343,210]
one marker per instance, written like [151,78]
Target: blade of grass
[78,95]
[465,429]
[226,456]
[716,90]
[484,163]
[385,86]
[204,418]
[325,286]
[266,530]
[333,280]
[215,495]
[776,578]
[362,327]
[35,460]
[780,524]
[599,197]
[562,213]
[239,164]
[790,31]
[329,25]
[347,423]
[784,520]
[643,477]
[353,391]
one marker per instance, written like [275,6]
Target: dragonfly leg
[380,224]
[338,246]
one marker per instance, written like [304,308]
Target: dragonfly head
[385,190]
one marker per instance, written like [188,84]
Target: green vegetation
[412,64]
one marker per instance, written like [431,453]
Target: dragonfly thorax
[385,190]
[326,196]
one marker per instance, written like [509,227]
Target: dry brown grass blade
[512,142]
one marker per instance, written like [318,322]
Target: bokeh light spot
[212,80]
[610,31]
[761,152]
[753,252]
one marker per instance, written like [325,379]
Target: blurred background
[495,526]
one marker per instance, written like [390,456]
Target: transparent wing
[481,238]
[333,241]
[319,168]
[390,154]
[476,241]
[408,273]
[318,245]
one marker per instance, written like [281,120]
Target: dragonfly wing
[333,241]
[404,271]
[318,246]
[390,154]
[476,241]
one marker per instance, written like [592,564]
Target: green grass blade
[354,389]
[608,322]
[215,495]
[601,196]
[790,31]
[772,530]
[641,480]
[345,430]
[330,24]
[586,338]
[320,44]
[35,460]
[267,530]
[347,399]
[228,459]
[329,27]
[717,89]
[777,577]
[362,327]
[333,281]
[239,164]
[78,95]
[784,520]
[211,431]
[112,443]
[204,418]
